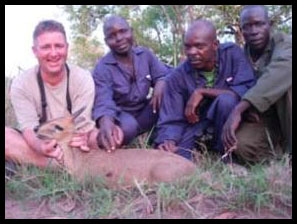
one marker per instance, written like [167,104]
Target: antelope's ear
[77,113]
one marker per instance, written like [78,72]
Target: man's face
[255,28]
[51,49]
[119,38]
[200,49]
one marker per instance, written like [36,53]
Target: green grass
[264,187]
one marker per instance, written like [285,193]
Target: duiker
[119,168]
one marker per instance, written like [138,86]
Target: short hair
[48,26]
[251,7]
[113,19]
[206,24]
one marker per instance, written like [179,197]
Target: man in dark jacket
[123,79]
[266,109]
[211,80]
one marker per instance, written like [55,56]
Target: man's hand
[231,125]
[49,148]
[110,135]
[157,95]
[192,105]
[168,145]
[228,136]
[80,140]
[118,135]
[251,115]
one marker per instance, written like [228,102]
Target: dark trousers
[257,142]
[138,123]
[212,115]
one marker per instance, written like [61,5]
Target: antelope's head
[60,129]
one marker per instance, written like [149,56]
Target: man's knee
[17,150]
[12,139]
[252,143]
[11,135]
[130,128]
[226,101]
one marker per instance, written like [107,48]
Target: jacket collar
[110,59]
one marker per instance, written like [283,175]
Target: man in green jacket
[262,120]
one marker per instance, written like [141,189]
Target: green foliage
[10,119]
[161,27]
[85,52]
[85,48]
[281,16]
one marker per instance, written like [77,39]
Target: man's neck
[53,78]
[125,58]
[210,66]
[256,54]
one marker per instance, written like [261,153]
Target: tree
[161,27]
[85,51]
[281,17]
[228,21]
[85,48]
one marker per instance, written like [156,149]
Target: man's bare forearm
[242,106]
[31,139]
[212,93]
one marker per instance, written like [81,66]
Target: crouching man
[202,91]
[45,92]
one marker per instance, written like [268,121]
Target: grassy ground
[215,191]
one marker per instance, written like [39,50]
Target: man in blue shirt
[202,91]
[123,79]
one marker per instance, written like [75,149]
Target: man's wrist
[92,139]
[200,91]
[105,119]
[32,140]
[242,107]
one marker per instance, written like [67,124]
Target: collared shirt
[210,78]
[273,71]
[116,91]
[234,73]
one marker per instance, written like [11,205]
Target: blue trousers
[213,114]
[137,123]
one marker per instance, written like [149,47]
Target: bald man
[123,78]
[201,92]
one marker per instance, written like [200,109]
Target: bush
[10,119]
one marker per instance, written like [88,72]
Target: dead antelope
[122,167]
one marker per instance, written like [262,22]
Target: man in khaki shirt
[66,88]
[266,109]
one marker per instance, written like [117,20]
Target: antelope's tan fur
[121,167]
